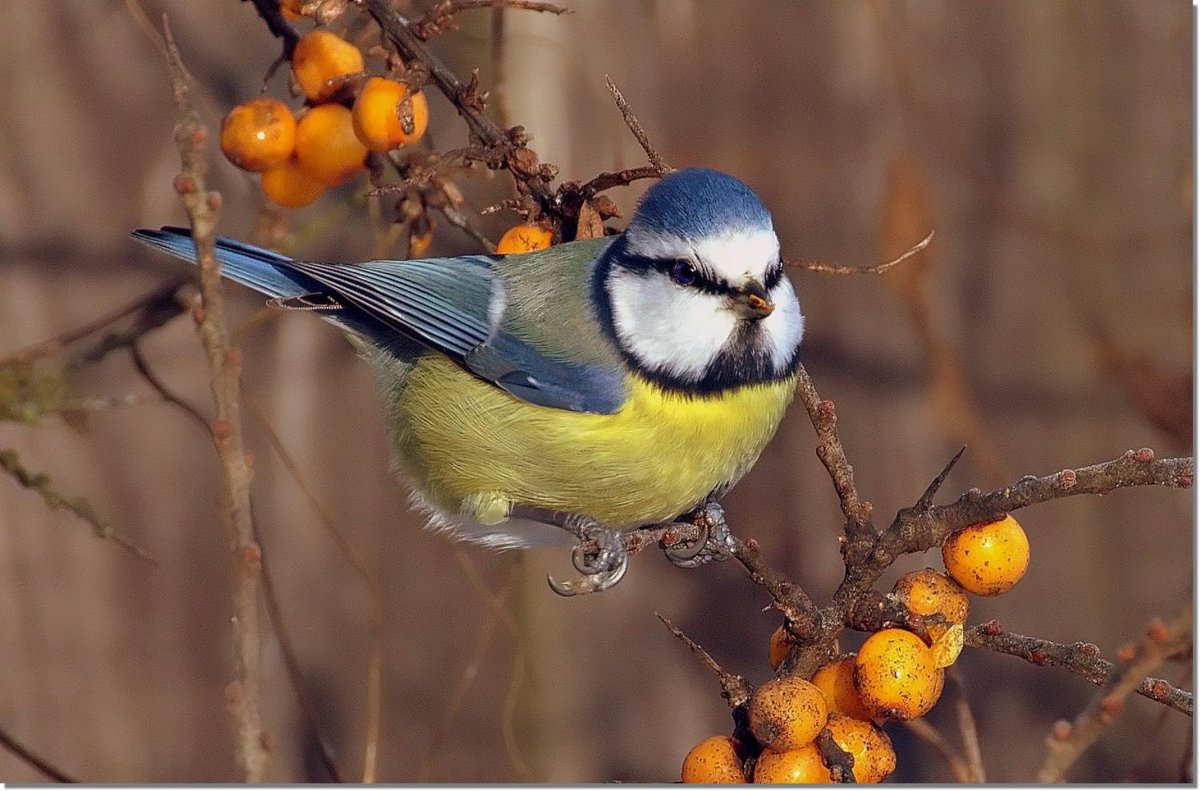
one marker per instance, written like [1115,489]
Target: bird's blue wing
[444,303]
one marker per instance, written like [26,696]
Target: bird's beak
[752,303]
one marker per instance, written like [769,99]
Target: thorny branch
[734,688]
[242,694]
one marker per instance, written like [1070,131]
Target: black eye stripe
[774,276]
[702,280]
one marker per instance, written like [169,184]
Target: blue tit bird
[598,385]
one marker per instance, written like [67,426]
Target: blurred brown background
[1049,325]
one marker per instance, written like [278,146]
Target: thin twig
[635,126]
[470,671]
[874,269]
[33,759]
[153,310]
[374,685]
[1082,659]
[143,368]
[967,730]
[39,482]
[291,663]
[1068,741]
[933,737]
[734,688]
[440,18]
[823,415]
[243,694]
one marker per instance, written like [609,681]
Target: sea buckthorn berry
[988,558]
[787,713]
[713,760]
[319,59]
[836,682]
[896,675]
[380,115]
[326,145]
[928,592]
[781,643]
[524,239]
[802,765]
[259,134]
[874,758]
[290,185]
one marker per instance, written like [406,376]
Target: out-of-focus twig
[243,694]
[1068,741]
[374,691]
[54,499]
[150,312]
[934,738]
[287,650]
[29,757]
[967,730]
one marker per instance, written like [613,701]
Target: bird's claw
[600,557]
[715,541]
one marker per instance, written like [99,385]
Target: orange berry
[379,115]
[802,765]
[713,760]
[928,592]
[781,643]
[787,713]
[524,239]
[897,676]
[874,758]
[290,185]
[326,145]
[259,134]
[836,682]
[988,558]
[320,57]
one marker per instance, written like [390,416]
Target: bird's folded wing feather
[446,304]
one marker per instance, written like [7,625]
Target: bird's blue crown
[700,202]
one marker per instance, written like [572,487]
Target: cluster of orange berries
[895,675]
[328,144]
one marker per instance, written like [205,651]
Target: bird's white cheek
[668,328]
[785,326]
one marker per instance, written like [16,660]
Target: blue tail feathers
[262,270]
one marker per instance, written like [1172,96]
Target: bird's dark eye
[683,273]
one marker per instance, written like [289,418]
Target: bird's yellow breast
[475,450]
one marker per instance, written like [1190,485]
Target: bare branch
[635,127]
[1082,659]
[243,694]
[875,269]
[1068,741]
[734,688]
